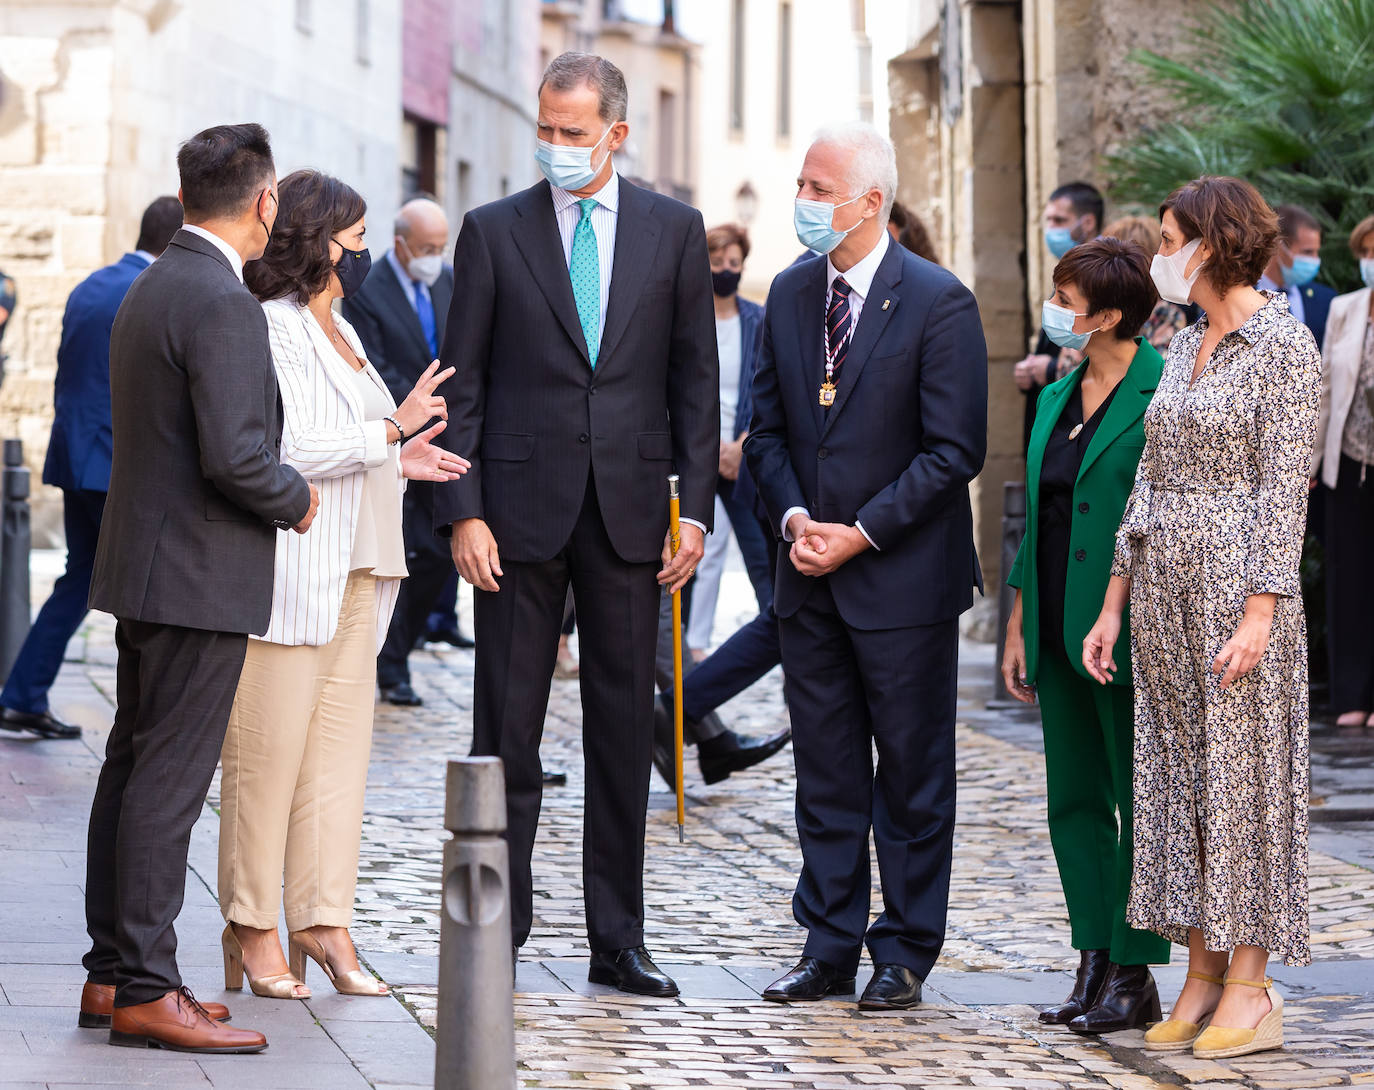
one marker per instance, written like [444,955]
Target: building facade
[994,103]
[95,97]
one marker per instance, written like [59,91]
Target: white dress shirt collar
[235,261]
[607,196]
[144,256]
[860,276]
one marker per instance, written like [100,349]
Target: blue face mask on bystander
[814,221]
[1060,241]
[1057,324]
[1303,270]
[1367,271]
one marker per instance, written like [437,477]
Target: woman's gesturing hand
[421,460]
[422,404]
[1098,645]
[1246,647]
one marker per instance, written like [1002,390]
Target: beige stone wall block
[73,190]
[83,242]
[994,38]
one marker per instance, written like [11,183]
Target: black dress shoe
[662,749]
[1092,971]
[452,637]
[631,970]
[401,695]
[553,778]
[731,752]
[1128,1000]
[893,988]
[43,724]
[812,979]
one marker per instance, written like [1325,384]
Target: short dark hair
[1293,218]
[1238,228]
[1084,198]
[161,220]
[899,217]
[727,234]
[223,168]
[569,70]
[296,264]
[1112,275]
[916,238]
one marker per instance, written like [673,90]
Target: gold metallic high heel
[353,982]
[282,986]
[1174,1034]
[1221,1042]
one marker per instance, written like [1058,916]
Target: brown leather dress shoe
[97,1004]
[178,1023]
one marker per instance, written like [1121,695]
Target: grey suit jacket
[196,492]
[526,406]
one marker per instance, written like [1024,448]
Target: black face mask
[725,283]
[352,269]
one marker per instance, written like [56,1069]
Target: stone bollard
[15,539]
[1013,530]
[475,1031]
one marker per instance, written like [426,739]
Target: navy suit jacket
[79,447]
[897,450]
[1316,305]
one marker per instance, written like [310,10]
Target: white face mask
[1168,274]
[426,269]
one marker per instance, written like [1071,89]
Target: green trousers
[1089,735]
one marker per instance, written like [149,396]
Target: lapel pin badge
[886,303]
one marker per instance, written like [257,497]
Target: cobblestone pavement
[718,914]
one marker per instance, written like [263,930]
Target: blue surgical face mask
[1057,324]
[814,221]
[1060,241]
[1367,271]
[568,167]
[1301,272]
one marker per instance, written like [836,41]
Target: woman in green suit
[1080,466]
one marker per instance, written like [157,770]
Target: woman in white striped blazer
[296,752]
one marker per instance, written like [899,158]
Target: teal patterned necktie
[585,269]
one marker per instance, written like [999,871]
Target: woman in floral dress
[1207,556]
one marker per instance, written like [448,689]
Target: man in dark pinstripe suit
[583,337]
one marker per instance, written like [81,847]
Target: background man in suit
[184,563]
[578,390]
[78,462]
[870,419]
[1293,269]
[400,314]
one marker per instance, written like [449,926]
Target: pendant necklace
[827,391]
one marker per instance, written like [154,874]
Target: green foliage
[1280,92]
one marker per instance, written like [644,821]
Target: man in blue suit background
[78,462]
[870,420]
[1294,266]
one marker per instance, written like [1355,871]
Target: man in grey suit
[583,337]
[184,563]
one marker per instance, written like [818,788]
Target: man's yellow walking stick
[675,537]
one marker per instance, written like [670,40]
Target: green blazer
[1099,500]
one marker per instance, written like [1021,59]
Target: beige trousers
[295,769]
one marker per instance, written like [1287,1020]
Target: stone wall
[95,96]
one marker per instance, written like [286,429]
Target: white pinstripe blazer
[332,447]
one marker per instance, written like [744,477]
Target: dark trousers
[40,657]
[443,614]
[848,690]
[175,688]
[1089,734]
[517,632]
[429,569]
[1350,588]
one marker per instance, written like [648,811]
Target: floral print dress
[1217,514]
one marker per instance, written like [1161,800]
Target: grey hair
[874,165]
[570,70]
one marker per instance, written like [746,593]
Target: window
[667,136]
[784,70]
[418,140]
[737,66]
[464,187]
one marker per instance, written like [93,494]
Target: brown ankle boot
[179,1023]
[97,1004]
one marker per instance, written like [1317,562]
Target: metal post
[475,1030]
[1013,530]
[15,539]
